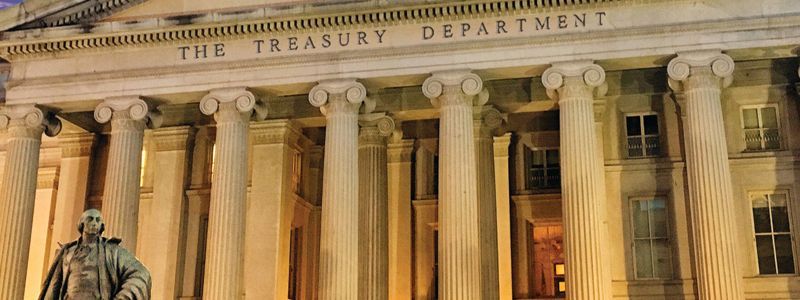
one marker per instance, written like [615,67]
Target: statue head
[92,222]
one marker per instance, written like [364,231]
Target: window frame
[642,136]
[669,237]
[758,108]
[772,233]
[527,169]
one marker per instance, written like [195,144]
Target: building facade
[370,149]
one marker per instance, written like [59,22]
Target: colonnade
[356,227]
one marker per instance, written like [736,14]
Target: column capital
[228,104]
[29,120]
[76,144]
[281,131]
[579,73]
[454,83]
[703,62]
[176,138]
[337,95]
[487,120]
[129,107]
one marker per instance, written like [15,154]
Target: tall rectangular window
[542,168]
[651,245]
[760,126]
[642,135]
[772,233]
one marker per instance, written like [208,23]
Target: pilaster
[232,109]
[76,153]
[128,116]
[701,76]
[275,147]
[503,197]
[453,92]
[24,125]
[400,227]
[339,100]
[574,85]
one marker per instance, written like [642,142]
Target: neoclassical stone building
[373,149]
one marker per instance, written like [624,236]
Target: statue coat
[122,276]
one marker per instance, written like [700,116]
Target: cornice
[131,34]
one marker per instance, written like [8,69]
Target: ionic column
[24,125]
[373,207]
[573,85]
[339,100]
[701,76]
[232,109]
[400,227]
[129,116]
[459,244]
[487,119]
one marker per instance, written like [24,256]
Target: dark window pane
[644,260]
[651,146]
[761,215]
[769,118]
[552,158]
[641,228]
[554,178]
[772,139]
[651,124]
[783,249]
[537,179]
[752,139]
[537,160]
[780,213]
[635,147]
[658,218]
[634,128]
[766,258]
[662,258]
[750,118]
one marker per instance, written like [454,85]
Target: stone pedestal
[574,85]
[487,119]
[232,109]
[373,207]
[24,125]
[399,188]
[339,101]
[129,116]
[269,212]
[700,76]
[459,244]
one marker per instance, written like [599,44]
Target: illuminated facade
[516,149]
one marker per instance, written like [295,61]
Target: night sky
[7,3]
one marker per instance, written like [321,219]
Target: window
[295,241]
[642,135]
[651,245]
[760,126]
[542,169]
[772,233]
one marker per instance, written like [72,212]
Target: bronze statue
[94,267]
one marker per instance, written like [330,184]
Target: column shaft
[340,100]
[487,205]
[582,178]
[232,108]
[702,76]
[459,241]
[373,216]
[17,195]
